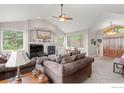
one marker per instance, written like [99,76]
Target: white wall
[91,48]
[19,25]
[29,25]
[104,22]
[43,24]
[116,19]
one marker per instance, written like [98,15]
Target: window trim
[1,34]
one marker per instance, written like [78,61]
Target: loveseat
[72,68]
[8,72]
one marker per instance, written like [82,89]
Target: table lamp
[17,59]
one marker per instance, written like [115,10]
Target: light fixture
[17,59]
[62,17]
[114,29]
[111,33]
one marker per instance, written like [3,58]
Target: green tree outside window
[12,40]
[74,40]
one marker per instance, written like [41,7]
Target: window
[61,41]
[12,39]
[121,31]
[75,40]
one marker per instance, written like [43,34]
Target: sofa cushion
[6,69]
[75,52]
[28,65]
[2,65]
[3,60]
[81,56]
[40,60]
[59,59]
[68,59]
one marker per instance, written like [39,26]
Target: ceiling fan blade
[68,18]
[55,16]
[62,15]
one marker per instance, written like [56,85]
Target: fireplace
[51,50]
[36,50]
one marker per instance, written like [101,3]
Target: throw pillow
[3,60]
[65,55]
[40,60]
[68,59]
[5,56]
[52,57]
[81,56]
[75,52]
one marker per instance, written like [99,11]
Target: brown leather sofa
[71,69]
[8,72]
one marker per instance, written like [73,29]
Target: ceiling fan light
[111,33]
[61,19]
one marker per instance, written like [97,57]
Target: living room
[61,45]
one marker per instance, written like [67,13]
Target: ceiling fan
[62,17]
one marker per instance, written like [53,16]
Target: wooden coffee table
[27,78]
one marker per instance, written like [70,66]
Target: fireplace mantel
[47,43]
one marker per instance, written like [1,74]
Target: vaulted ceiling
[85,16]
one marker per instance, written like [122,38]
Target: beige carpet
[102,72]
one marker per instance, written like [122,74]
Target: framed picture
[93,42]
[99,40]
[43,34]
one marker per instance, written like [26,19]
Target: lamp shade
[17,58]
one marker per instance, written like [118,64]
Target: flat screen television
[36,50]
